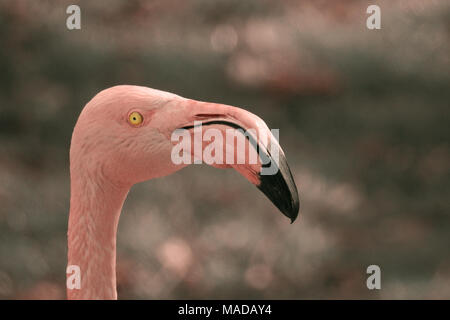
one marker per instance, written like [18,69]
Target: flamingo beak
[272,174]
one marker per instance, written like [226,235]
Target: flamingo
[123,137]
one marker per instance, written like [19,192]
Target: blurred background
[364,122]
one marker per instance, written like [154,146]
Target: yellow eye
[135,118]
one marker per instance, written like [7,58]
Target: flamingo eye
[135,118]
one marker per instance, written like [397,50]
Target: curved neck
[95,208]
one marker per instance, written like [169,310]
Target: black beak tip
[292,206]
[280,188]
[293,213]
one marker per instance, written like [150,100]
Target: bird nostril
[208,115]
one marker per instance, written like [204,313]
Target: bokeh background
[364,122]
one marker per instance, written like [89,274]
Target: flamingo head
[124,135]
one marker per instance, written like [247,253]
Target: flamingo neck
[95,208]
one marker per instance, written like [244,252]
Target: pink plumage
[108,155]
